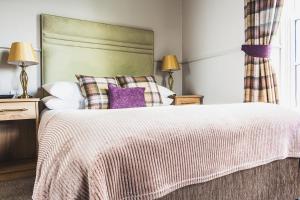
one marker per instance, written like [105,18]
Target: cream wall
[19,21]
[213,32]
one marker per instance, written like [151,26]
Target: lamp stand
[24,82]
[171,80]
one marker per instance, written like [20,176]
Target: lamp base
[171,80]
[24,97]
[24,83]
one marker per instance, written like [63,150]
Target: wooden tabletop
[19,100]
[188,96]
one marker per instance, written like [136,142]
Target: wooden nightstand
[19,120]
[188,99]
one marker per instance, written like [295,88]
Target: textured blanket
[145,153]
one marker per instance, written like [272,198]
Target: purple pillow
[125,97]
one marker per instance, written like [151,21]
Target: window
[288,70]
[296,60]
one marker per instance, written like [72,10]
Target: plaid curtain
[261,23]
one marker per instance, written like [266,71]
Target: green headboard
[72,46]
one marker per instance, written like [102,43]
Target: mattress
[146,153]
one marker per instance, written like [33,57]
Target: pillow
[126,97]
[152,95]
[95,90]
[64,90]
[167,101]
[165,92]
[54,103]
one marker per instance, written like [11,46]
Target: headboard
[73,46]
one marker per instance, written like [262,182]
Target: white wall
[19,21]
[213,32]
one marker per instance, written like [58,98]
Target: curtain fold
[262,18]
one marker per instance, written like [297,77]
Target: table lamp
[22,54]
[170,64]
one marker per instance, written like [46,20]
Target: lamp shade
[22,53]
[170,63]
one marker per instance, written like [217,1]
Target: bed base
[279,180]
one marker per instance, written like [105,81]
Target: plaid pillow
[152,95]
[96,90]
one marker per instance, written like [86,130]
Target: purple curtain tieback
[261,51]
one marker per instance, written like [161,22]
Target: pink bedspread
[145,153]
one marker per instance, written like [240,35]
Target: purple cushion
[126,97]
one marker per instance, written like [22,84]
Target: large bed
[236,151]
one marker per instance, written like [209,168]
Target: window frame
[296,63]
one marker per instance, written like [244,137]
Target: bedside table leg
[37,122]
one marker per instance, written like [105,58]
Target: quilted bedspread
[146,153]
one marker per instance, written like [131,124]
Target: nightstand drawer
[188,99]
[18,111]
[182,101]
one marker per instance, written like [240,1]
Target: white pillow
[54,103]
[64,90]
[167,101]
[165,92]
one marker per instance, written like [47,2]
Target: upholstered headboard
[72,46]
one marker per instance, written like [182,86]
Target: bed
[237,151]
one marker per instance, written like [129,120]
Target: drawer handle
[13,110]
